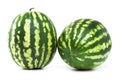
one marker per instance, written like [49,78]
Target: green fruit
[84,44]
[32,40]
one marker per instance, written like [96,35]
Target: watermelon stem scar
[31,9]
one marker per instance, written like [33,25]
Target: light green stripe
[27,55]
[20,62]
[42,55]
[26,41]
[54,31]
[97,63]
[44,18]
[79,36]
[60,46]
[108,43]
[37,40]
[100,25]
[40,16]
[89,21]
[67,36]
[44,27]
[37,36]
[20,19]
[76,27]
[47,26]
[49,49]
[43,24]
[80,59]
[67,33]
[36,24]
[69,44]
[62,42]
[98,48]
[98,56]
[36,63]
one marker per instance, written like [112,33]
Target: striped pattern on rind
[32,40]
[84,44]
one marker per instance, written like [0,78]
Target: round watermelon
[84,44]
[32,40]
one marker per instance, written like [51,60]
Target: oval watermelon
[32,40]
[84,44]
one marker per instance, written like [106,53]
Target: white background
[62,12]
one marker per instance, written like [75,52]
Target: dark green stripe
[32,39]
[45,39]
[53,46]
[22,34]
[16,40]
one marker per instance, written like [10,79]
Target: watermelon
[32,40]
[84,44]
